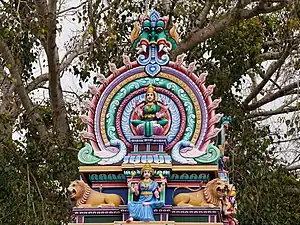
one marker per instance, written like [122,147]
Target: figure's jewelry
[146,193]
[146,184]
[149,107]
[147,116]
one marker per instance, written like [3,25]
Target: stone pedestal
[151,144]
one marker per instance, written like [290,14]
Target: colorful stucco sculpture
[153,137]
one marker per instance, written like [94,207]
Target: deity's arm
[228,208]
[134,189]
[161,112]
[156,193]
[139,112]
[158,189]
[161,187]
[163,183]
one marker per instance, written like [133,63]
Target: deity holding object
[151,116]
[148,191]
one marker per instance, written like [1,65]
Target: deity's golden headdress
[150,89]
[148,167]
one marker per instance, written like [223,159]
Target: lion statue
[87,197]
[210,196]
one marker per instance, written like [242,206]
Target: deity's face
[150,97]
[146,174]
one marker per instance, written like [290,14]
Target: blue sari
[145,213]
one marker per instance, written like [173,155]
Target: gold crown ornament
[148,167]
[150,89]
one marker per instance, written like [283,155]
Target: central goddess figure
[151,115]
[148,191]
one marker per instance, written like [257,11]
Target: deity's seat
[144,144]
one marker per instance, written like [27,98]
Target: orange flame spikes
[135,32]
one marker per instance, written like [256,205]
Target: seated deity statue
[151,116]
[148,191]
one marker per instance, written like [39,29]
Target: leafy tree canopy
[249,48]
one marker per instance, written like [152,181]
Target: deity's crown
[150,89]
[148,167]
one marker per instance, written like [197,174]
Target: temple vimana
[154,150]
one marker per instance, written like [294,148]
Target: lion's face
[76,189]
[218,187]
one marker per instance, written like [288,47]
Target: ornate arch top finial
[153,41]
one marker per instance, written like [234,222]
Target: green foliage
[20,30]
[264,187]
[33,179]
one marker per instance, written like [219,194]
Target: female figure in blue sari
[148,191]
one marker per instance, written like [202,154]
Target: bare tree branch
[271,43]
[270,71]
[70,56]
[293,191]
[270,55]
[42,7]
[166,5]
[37,82]
[31,111]
[288,140]
[48,16]
[294,167]
[71,8]
[234,16]
[171,13]
[202,17]
[80,47]
[272,97]
[273,112]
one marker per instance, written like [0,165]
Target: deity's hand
[163,181]
[129,184]
[156,194]
[159,115]
[139,112]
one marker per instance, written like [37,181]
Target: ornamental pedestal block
[151,144]
[167,214]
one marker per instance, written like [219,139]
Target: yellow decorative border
[85,169]
[195,168]
[194,99]
[141,165]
